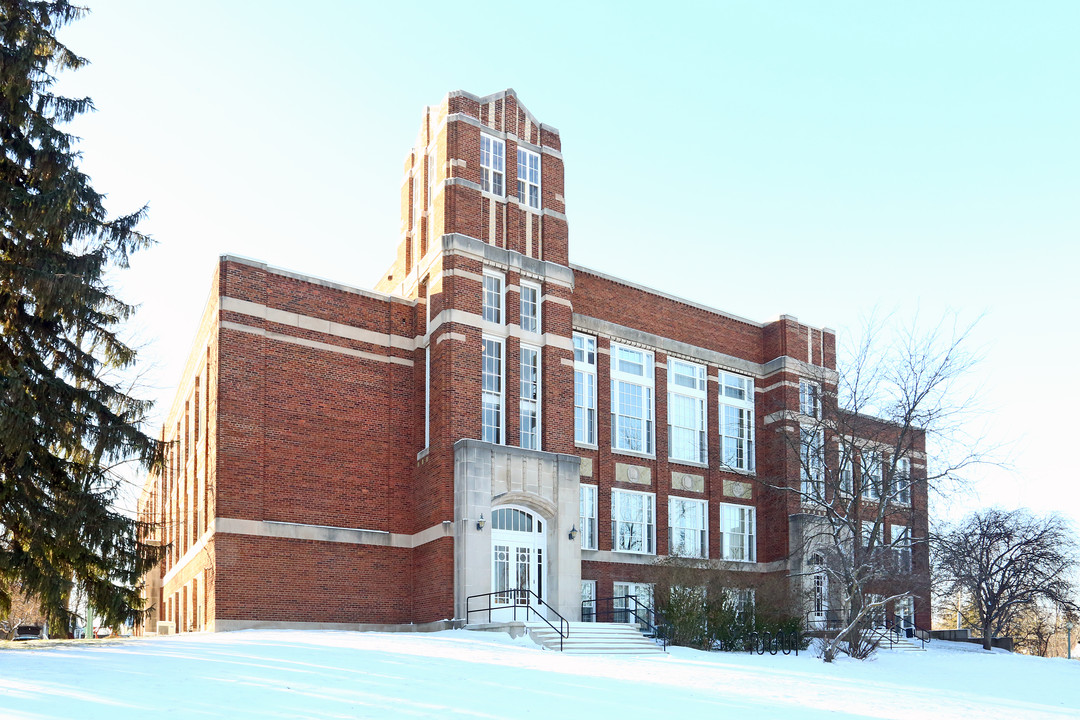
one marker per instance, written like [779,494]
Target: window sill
[631,552]
[586,446]
[493,196]
[688,463]
[528,208]
[631,453]
[738,471]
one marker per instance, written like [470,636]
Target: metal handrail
[889,630]
[636,611]
[516,593]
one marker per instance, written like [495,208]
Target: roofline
[316,280]
[660,293]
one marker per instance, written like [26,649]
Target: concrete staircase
[901,643]
[587,638]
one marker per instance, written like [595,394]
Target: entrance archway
[518,562]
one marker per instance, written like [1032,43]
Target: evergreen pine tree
[63,422]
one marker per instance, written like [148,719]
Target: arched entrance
[518,550]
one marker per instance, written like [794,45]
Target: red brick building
[489,416]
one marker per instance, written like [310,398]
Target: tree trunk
[987,637]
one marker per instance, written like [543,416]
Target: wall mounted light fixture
[480,522]
[573,532]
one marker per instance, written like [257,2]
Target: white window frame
[701,509]
[698,396]
[810,399]
[487,396]
[811,464]
[427,396]
[737,413]
[647,523]
[492,165]
[729,519]
[528,178]
[588,596]
[902,482]
[585,413]
[870,474]
[900,539]
[430,182]
[493,312]
[845,471]
[588,516]
[529,406]
[621,439]
[638,590]
[533,319]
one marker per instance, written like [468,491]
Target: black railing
[885,630]
[630,610]
[773,643]
[519,598]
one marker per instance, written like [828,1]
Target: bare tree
[859,443]
[23,610]
[1007,562]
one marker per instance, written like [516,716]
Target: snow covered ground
[460,674]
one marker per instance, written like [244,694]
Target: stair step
[587,638]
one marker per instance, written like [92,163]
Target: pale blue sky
[817,159]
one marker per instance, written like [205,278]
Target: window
[844,470]
[584,389]
[530,397]
[871,475]
[588,601]
[902,481]
[493,301]
[687,527]
[587,521]
[492,400]
[492,164]
[813,481]
[869,537]
[737,421]
[430,183]
[810,398]
[901,543]
[427,396]
[633,522]
[742,601]
[528,178]
[530,307]
[633,603]
[686,412]
[737,533]
[631,399]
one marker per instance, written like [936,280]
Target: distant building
[489,417]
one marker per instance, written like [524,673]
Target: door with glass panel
[819,595]
[518,548]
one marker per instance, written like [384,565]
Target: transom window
[737,533]
[631,399]
[737,421]
[686,412]
[530,398]
[584,389]
[633,522]
[493,301]
[492,394]
[687,527]
[528,178]
[492,164]
[515,520]
[587,520]
[530,307]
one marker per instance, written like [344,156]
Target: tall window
[633,522]
[530,307]
[871,475]
[810,398]
[530,397]
[844,470]
[737,533]
[687,527]
[737,421]
[492,164]
[584,389]
[869,537]
[430,183]
[629,611]
[587,521]
[686,412]
[901,543]
[631,399]
[528,178]
[902,481]
[813,479]
[492,400]
[427,396]
[493,297]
